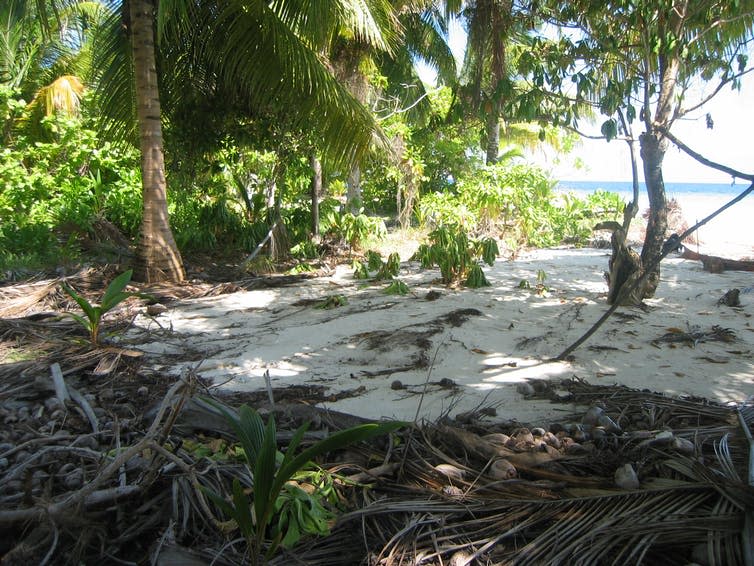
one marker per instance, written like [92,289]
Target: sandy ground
[402,356]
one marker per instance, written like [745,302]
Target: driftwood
[715,264]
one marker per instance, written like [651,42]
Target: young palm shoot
[93,313]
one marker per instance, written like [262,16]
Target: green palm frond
[251,47]
[113,76]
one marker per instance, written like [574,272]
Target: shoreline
[729,235]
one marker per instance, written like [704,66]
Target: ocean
[624,188]
[731,233]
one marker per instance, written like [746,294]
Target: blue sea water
[624,188]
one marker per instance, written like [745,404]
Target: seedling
[272,471]
[92,319]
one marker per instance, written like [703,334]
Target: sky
[728,143]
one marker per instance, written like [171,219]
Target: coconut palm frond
[113,76]
[62,95]
[256,51]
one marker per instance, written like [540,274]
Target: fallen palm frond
[694,335]
[443,498]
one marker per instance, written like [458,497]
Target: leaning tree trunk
[653,147]
[158,258]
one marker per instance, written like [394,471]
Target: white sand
[515,330]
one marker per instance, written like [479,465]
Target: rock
[450,471]
[502,470]
[156,309]
[552,440]
[447,383]
[397,385]
[142,391]
[610,426]
[452,490]
[538,431]
[106,395]
[626,478]
[4,463]
[461,558]
[74,479]
[592,416]
[683,446]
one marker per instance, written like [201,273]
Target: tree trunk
[653,147]
[316,166]
[493,133]
[353,196]
[158,258]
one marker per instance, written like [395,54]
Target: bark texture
[158,258]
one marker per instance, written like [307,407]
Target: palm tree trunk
[316,166]
[493,134]
[158,258]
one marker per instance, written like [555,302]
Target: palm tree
[486,68]
[265,57]
[158,258]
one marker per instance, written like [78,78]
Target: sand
[401,356]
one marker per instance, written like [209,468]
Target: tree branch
[703,160]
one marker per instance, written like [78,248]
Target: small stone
[488,411]
[683,445]
[452,490]
[4,463]
[397,385]
[592,415]
[551,440]
[142,391]
[450,471]
[663,438]
[626,478]
[156,309]
[446,382]
[502,470]
[74,479]
[538,431]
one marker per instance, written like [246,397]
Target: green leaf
[114,293]
[609,129]
[265,492]
[247,425]
[88,309]
[334,442]
[227,509]
[243,509]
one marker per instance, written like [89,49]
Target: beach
[729,235]
[443,351]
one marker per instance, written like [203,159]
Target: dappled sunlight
[380,355]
